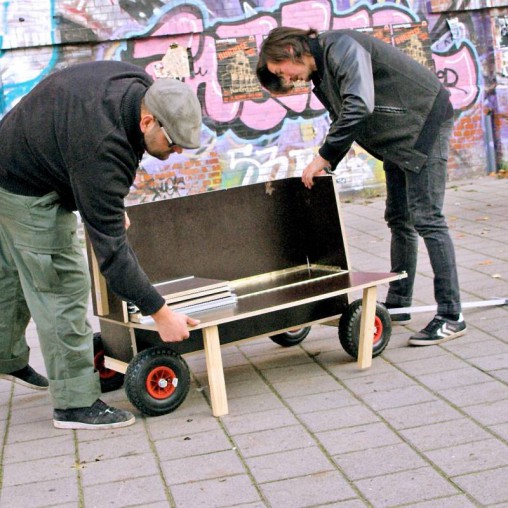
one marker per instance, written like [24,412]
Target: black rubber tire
[349,329]
[291,338]
[157,381]
[110,379]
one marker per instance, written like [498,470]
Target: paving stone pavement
[423,427]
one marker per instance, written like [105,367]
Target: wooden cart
[281,247]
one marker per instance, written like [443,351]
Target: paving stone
[216,493]
[290,464]
[373,435]
[489,413]
[192,444]
[135,491]
[446,502]
[254,403]
[320,401]
[487,487]
[405,487]
[292,372]
[338,418]
[445,434]
[453,378]
[378,382]
[435,364]
[417,415]
[491,362]
[311,490]
[470,457]
[307,385]
[42,493]
[272,441]
[406,396]
[373,462]
[44,448]
[464,396]
[118,469]
[262,420]
[202,467]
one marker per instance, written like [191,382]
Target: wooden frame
[281,246]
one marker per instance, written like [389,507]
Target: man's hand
[173,327]
[316,167]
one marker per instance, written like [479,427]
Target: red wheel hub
[161,382]
[98,361]
[378,329]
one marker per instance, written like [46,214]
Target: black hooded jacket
[77,133]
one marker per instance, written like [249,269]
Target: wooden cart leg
[367,327]
[215,371]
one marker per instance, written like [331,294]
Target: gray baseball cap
[177,108]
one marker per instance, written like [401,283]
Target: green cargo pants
[43,275]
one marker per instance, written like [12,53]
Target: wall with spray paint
[254,137]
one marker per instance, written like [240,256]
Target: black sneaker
[27,377]
[98,416]
[397,317]
[439,330]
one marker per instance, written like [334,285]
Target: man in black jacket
[74,143]
[399,112]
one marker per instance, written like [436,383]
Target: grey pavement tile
[501,375]
[254,386]
[34,431]
[121,445]
[192,444]
[202,467]
[263,420]
[445,362]
[292,372]
[312,490]
[254,403]
[489,413]
[338,418]
[405,488]
[492,362]
[273,440]
[39,470]
[32,413]
[307,385]
[464,396]
[27,451]
[426,413]
[500,430]
[216,493]
[240,373]
[453,378]
[373,462]
[350,439]
[469,346]
[41,494]
[118,469]
[457,501]
[130,432]
[445,434]
[487,487]
[349,369]
[383,381]
[177,424]
[470,457]
[339,398]
[290,464]
[292,356]
[400,397]
[146,491]
[405,354]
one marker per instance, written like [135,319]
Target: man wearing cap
[74,143]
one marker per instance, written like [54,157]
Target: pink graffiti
[458,70]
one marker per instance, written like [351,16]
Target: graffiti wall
[249,136]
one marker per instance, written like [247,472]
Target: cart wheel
[291,337]
[157,381]
[349,329]
[110,379]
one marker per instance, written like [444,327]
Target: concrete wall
[253,138]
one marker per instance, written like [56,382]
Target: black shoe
[27,377]
[439,330]
[397,317]
[97,416]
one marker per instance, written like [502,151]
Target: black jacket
[377,96]
[77,133]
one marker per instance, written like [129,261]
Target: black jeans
[414,206]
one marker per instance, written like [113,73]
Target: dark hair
[281,44]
